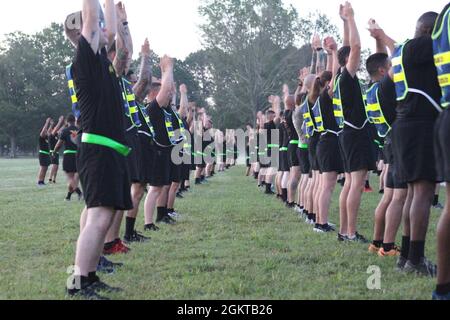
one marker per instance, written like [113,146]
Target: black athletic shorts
[284,162]
[387,151]
[175,172]
[442,147]
[328,154]
[358,150]
[146,153]
[414,150]
[292,154]
[133,159]
[185,172]
[305,166]
[160,168]
[55,159]
[44,160]
[70,163]
[312,149]
[392,181]
[104,177]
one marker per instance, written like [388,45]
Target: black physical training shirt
[43,144]
[292,133]
[99,93]
[388,99]
[158,120]
[418,61]
[52,141]
[70,138]
[352,99]
[326,108]
[269,127]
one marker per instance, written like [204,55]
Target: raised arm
[184,102]
[165,94]
[44,130]
[383,40]
[110,22]
[145,75]
[331,48]
[124,43]
[354,60]
[58,126]
[91,23]
[346,41]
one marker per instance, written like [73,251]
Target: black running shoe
[179,195]
[106,266]
[425,268]
[87,293]
[101,286]
[342,238]
[168,220]
[151,227]
[136,238]
[359,238]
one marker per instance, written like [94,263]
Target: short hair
[343,54]
[130,73]
[376,61]
[70,118]
[270,112]
[426,23]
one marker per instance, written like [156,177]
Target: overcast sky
[172,25]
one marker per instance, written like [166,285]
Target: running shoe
[425,268]
[439,206]
[438,297]
[106,266]
[392,253]
[374,249]
[401,262]
[136,237]
[87,293]
[151,227]
[118,248]
[168,220]
[342,238]
[358,238]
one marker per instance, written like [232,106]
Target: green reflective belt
[44,152]
[284,149]
[303,146]
[273,146]
[70,152]
[261,153]
[106,142]
[201,154]
[294,142]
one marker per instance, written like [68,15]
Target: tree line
[250,48]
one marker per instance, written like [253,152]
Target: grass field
[232,243]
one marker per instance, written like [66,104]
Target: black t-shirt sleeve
[64,134]
[153,104]
[86,64]
[419,51]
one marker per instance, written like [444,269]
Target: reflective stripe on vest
[96,139]
[317,113]
[307,120]
[337,103]
[441,47]
[146,117]
[130,105]
[284,149]
[44,152]
[72,92]
[170,130]
[70,152]
[401,84]
[374,111]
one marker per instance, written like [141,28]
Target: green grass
[232,243]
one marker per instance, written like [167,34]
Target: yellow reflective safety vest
[72,92]
[130,105]
[337,103]
[441,47]
[318,119]
[375,112]
[308,127]
[402,87]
